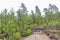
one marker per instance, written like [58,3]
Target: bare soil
[41,33]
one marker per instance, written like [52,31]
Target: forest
[14,25]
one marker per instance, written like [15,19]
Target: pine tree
[38,15]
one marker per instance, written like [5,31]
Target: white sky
[30,4]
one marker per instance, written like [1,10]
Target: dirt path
[37,37]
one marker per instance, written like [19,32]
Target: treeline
[14,27]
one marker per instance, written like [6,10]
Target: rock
[54,36]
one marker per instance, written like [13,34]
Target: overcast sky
[30,4]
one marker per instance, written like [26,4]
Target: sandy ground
[37,37]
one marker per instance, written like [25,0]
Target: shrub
[28,32]
[17,35]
